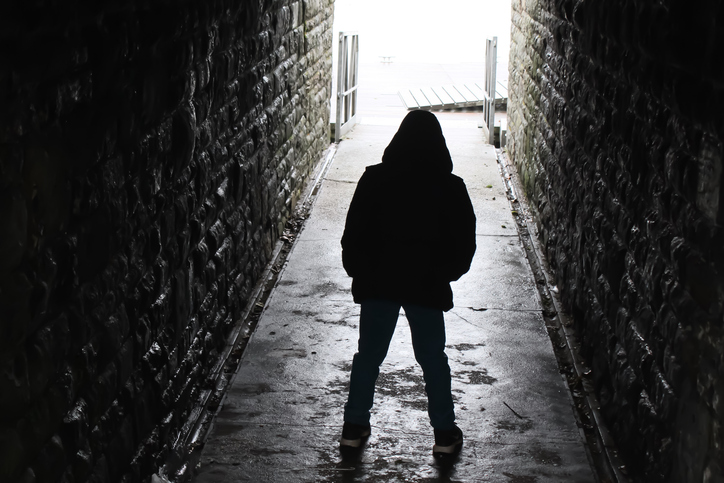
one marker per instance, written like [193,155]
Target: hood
[419,145]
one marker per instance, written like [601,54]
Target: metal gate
[491,61]
[347,66]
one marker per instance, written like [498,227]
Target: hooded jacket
[410,227]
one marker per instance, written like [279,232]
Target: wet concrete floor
[282,416]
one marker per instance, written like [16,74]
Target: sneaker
[353,435]
[447,442]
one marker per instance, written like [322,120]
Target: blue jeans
[376,326]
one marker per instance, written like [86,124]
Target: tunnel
[152,155]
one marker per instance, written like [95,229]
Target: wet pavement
[282,416]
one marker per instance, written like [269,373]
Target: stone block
[51,461]
[13,228]
[11,452]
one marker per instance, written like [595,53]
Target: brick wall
[150,154]
[616,117]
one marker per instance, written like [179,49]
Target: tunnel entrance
[152,154]
[413,45]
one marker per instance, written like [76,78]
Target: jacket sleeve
[356,229]
[461,240]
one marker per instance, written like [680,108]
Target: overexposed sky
[430,31]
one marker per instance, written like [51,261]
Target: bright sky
[431,31]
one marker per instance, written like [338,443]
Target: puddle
[475,377]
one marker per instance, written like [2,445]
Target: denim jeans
[376,326]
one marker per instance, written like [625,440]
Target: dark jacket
[410,228]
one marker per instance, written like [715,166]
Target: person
[409,232]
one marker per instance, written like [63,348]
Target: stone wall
[150,154]
[616,119]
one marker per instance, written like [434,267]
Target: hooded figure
[410,231]
[410,228]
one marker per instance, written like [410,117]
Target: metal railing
[347,67]
[491,61]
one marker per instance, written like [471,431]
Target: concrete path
[282,416]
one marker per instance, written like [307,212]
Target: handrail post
[491,61]
[341,63]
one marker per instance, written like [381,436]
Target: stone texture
[616,119]
[150,155]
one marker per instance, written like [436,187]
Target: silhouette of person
[410,231]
